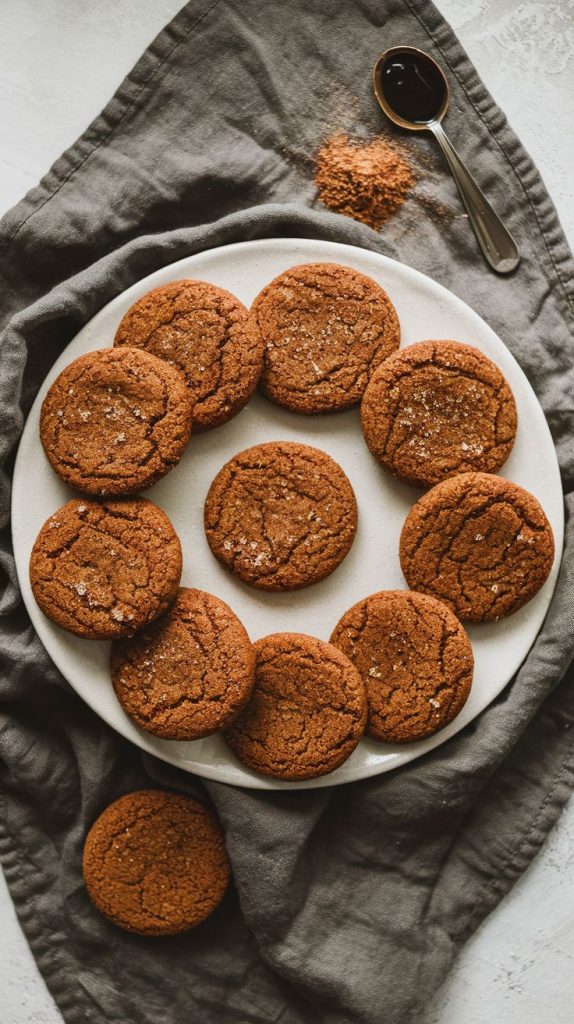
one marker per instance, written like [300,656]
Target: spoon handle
[497,244]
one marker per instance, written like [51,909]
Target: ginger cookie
[414,658]
[280,515]
[436,409]
[104,570]
[307,712]
[189,673]
[115,421]
[479,543]
[205,332]
[155,862]
[325,328]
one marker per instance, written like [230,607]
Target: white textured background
[60,61]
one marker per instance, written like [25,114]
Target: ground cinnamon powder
[368,181]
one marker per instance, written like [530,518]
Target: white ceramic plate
[426,310]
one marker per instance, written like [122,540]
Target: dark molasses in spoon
[413,86]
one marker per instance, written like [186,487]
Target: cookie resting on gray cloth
[349,903]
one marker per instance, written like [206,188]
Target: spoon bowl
[403,70]
[412,91]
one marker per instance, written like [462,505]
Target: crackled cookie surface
[481,544]
[104,570]
[189,673]
[325,328]
[205,332]
[155,862]
[115,421]
[307,712]
[438,408]
[281,515]
[414,658]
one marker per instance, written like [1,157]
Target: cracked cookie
[280,515]
[325,328]
[189,673]
[104,570]
[307,712]
[414,658]
[155,862]
[479,543]
[436,409]
[205,332]
[115,421]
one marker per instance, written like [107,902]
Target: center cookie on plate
[325,328]
[307,712]
[281,515]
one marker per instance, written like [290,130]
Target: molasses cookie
[115,421]
[155,862]
[325,328]
[414,658]
[206,333]
[105,570]
[481,544]
[436,409]
[189,673]
[280,515]
[307,712]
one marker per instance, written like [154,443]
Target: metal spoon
[412,91]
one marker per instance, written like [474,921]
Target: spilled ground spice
[368,181]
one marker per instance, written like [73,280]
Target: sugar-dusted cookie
[325,328]
[155,862]
[307,712]
[105,570]
[479,543]
[189,673]
[436,409]
[204,331]
[280,515]
[414,658]
[115,421]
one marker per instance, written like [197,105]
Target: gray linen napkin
[350,903]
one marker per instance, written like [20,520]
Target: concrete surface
[60,62]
